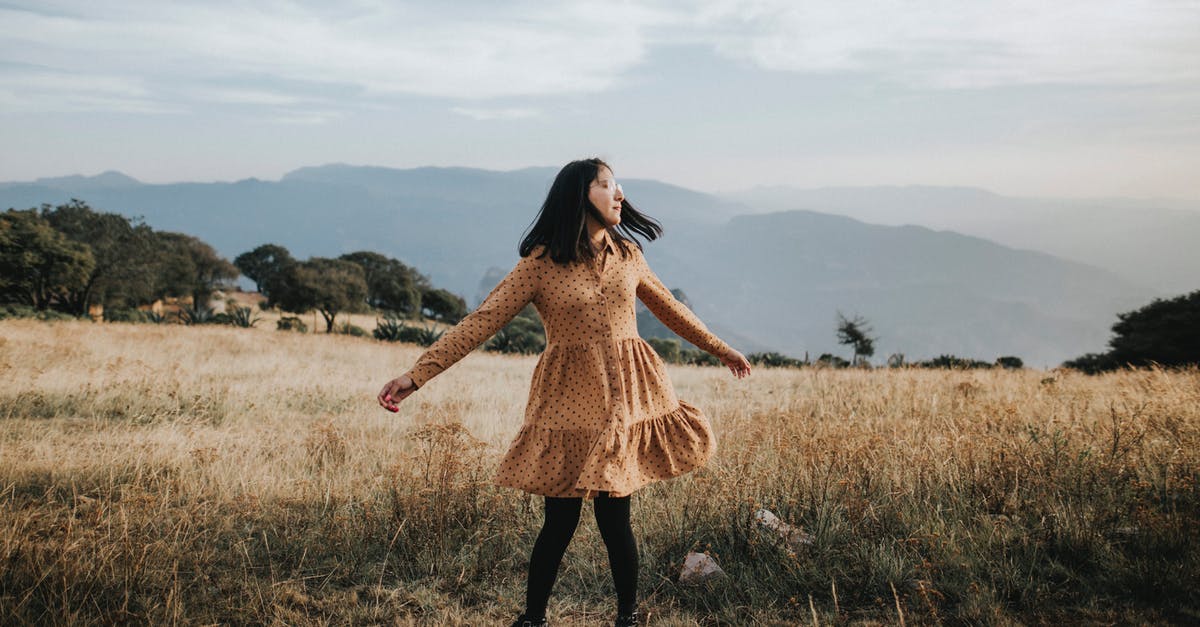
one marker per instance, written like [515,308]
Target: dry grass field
[195,475]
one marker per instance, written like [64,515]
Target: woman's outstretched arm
[506,300]
[683,322]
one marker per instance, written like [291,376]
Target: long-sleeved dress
[602,414]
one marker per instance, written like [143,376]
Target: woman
[602,418]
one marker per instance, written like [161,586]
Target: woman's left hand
[737,363]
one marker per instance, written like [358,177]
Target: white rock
[794,536]
[699,567]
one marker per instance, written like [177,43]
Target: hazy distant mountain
[1152,242]
[763,281]
[109,179]
[784,276]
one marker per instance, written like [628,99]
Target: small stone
[698,568]
[793,536]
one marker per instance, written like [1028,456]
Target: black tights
[562,516]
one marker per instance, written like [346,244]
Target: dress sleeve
[674,314]
[505,301]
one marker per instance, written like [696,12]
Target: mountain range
[768,269]
[1150,241]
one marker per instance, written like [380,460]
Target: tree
[123,250]
[38,265]
[856,333]
[391,285]
[263,264]
[1164,332]
[443,305]
[330,286]
[1010,362]
[192,267]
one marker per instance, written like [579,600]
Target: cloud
[44,90]
[242,95]
[514,113]
[466,53]
[313,58]
[951,44]
[305,118]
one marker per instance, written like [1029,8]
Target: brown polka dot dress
[602,414]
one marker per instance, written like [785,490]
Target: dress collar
[608,242]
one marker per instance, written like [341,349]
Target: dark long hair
[561,227]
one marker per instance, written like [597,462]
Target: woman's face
[606,196]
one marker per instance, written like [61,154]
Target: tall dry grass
[168,474]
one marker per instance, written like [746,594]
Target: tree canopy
[855,333]
[263,264]
[443,305]
[192,268]
[331,286]
[391,285]
[1164,332]
[124,250]
[39,265]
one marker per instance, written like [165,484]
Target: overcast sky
[1066,98]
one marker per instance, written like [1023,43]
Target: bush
[426,336]
[515,342]
[291,323]
[389,329]
[773,360]
[242,317]
[667,349]
[1093,363]
[349,329]
[829,360]
[392,329]
[25,311]
[197,315]
[524,334]
[1010,363]
[125,315]
[950,362]
[696,357]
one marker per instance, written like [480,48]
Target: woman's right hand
[395,391]
[737,363]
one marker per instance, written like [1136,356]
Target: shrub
[350,329]
[696,357]
[524,334]
[25,311]
[667,349]
[291,323]
[112,314]
[773,360]
[196,315]
[392,329]
[389,328]
[242,317]
[1093,363]
[950,362]
[427,335]
[514,341]
[1009,362]
[829,360]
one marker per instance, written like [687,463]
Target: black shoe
[523,621]
[631,619]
